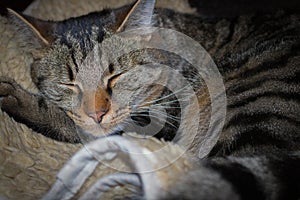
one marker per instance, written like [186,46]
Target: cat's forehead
[84,31]
[92,68]
[82,37]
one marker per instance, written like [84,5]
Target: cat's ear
[39,29]
[139,15]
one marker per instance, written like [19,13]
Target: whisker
[163,103]
[158,118]
[174,117]
[157,105]
[164,106]
[163,114]
[164,97]
[127,122]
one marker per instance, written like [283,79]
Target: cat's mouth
[143,121]
[112,119]
[120,123]
[140,118]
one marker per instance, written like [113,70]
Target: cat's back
[258,57]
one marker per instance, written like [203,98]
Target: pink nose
[97,116]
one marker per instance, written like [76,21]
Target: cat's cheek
[114,116]
[88,125]
[95,130]
[108,118]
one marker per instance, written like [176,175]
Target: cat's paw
[8,93]
[13,98]
[7,86]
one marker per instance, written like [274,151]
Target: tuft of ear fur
[140,15]
[41,29]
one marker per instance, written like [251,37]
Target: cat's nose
[97,116]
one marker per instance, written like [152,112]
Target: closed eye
[112,81]
[74,87]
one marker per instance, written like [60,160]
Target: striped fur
[258,153]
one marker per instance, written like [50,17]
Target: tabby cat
[257,155]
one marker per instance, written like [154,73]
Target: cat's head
[102,97]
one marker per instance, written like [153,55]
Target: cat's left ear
[139,15]
[33,28]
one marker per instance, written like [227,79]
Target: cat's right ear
[138,16]
[32,27]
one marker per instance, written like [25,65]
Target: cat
[257,154]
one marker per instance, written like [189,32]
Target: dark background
[209,7]
[18,5]
[231,8]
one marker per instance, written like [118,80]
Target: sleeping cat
[256,155]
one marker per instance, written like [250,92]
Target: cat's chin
[87,136]
[111,119]
[97,130]
[100,130]
[86,124]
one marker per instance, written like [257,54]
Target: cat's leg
[35,112]
[245,177]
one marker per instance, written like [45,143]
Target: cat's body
[257,155]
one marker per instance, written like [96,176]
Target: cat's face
[101,97]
